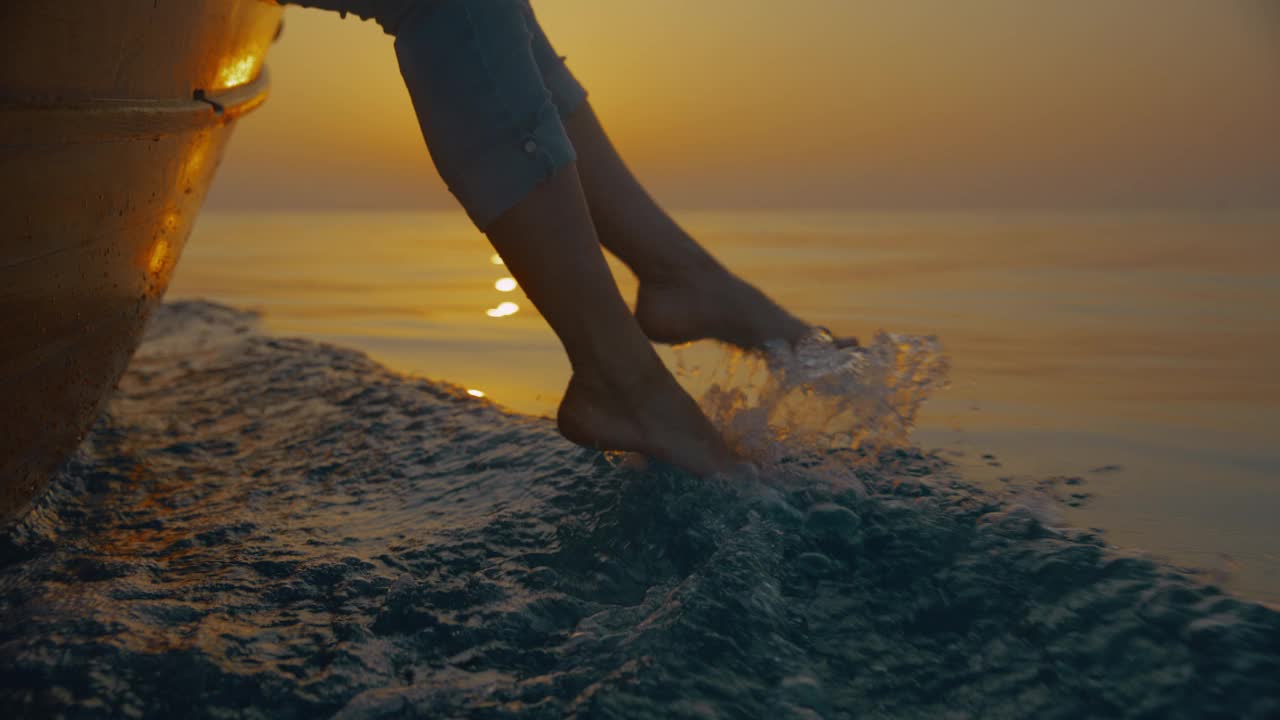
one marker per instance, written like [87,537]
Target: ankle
[697,270]
[630,385]
[659,253]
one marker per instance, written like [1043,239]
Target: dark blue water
[274,528]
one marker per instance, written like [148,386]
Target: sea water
[264,526]
[1131,353]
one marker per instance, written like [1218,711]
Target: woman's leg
[685,293]
[497,139]
[621,396]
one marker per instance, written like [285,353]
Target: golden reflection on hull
[105,158]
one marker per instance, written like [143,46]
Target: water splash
[816,396]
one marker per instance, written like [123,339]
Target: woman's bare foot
[707,301]
[650,414]
[685,295]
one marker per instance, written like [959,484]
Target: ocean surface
[307,509]
[1139,352]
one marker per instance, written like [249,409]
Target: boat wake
[267,527]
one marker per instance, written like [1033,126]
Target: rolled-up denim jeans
[489,91]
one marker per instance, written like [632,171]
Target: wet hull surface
[113,119]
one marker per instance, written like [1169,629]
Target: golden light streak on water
[503,310]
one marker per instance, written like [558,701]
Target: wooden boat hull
[113,119]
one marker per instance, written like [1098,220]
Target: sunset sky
[826,104]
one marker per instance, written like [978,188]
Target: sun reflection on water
[503,310]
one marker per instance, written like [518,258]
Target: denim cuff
[489,91]
[493,181]
[490,122]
